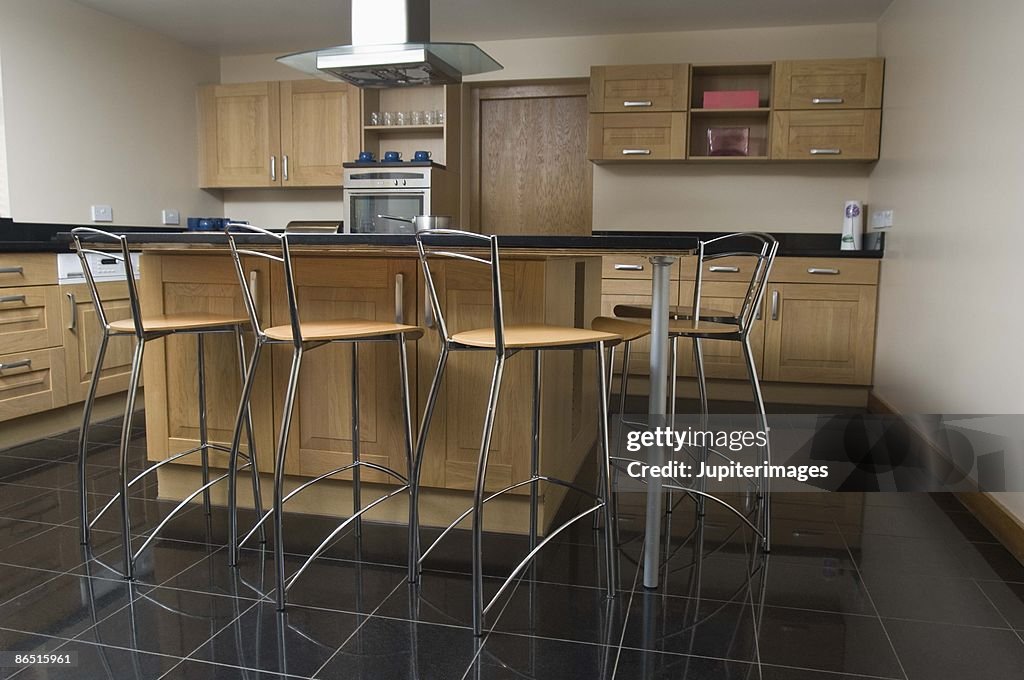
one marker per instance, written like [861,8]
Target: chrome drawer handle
[775,305]
[822,270]
[826,152]
[728,270]
[73,308]
[12,270]
[629,267]
[399,298]
[636,152]
[24,363]
[273,168]
[284,167]
[12,298]
[827,100]
[646,102]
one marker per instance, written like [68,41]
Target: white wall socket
[171,217]
[882,219]
[102,213]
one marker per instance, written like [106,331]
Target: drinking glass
[430,117]
[416,118]
[375,118]
[388,117]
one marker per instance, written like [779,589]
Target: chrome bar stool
[504,342]
[757,251]
[145,329]
[304,336]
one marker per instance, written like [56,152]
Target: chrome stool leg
[403,367]
[611,565]
[282,446]
[421,444]
[608,397]
[755,385]
[204,437]
[673,371]
[83,436]
[478,496]
[535,448]
[702,393]
[257,496]
[357,496]
[126,428]
[244,414]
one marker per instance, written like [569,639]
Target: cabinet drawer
[27,269]
[652,87]
[824,270]
[637,136]
[632,267]
[829,84]
[826,135]
[30,318]
[722,269]
[31,382]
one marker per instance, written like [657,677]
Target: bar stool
[145,330]
[305,336]
[697,323]
[506,341]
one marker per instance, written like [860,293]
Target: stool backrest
[462,245]
[99,236]
[760,248]
[284,259]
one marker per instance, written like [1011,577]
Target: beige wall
[98,111]
[952,167]
[775,198]
[5,204]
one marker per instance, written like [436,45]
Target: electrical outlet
[102,213]
[171,217]
[882,219]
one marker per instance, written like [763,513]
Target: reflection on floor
[857,586]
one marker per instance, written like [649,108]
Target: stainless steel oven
[391,189]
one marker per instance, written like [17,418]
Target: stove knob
[396,182]
[404,182]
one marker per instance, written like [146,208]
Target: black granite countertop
[34,237]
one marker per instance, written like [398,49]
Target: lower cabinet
[31,382]
[82,337]
[820,333]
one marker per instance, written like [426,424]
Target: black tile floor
[902,586]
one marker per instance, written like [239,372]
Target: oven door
[363,206]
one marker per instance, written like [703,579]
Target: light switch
[171,217]
[102,213]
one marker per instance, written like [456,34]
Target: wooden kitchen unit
[367,282]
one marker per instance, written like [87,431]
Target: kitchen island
[552,279]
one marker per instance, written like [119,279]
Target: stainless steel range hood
[391,48]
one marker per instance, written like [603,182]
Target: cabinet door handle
[12,270]
[826,152]
[284,167]
[428,310]
[638,103]
[775,305]
[399,298]
[636,152]
[24,363]
[629,267]
[822,270]
[254,290]
[73,309]
[757,317]
[827,100]
[12,298]
[720,268]
[273,168]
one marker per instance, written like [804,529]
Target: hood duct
[391,48]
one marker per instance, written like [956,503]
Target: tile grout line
[867,592]
[1000,612]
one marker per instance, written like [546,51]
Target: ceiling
[258,26]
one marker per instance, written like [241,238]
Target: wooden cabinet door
[637,136]
[826,135]
[651,87]
[820,333]
[321,432]
[240,135]
[454,442]
[82,336]
[722,358]
[29,318]
[31,382]
[319,131]
[634,292]
[828,84]
[172,284]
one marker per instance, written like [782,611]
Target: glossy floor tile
[857,586]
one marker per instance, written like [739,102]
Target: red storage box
[731,99]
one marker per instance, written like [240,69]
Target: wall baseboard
[1007,529]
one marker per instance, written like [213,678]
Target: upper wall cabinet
[815,111]
[829,84]
[287,134]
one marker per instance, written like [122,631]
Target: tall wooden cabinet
[276,134]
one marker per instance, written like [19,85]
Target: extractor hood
[391,48]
